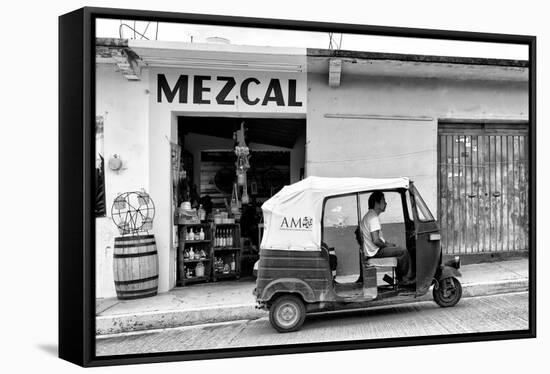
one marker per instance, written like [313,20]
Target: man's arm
[377,240]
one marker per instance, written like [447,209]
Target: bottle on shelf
[233,262]
[186,254]
[217,265]
[201,234]
[202,213]
[191,234]
[222,239]
[230,238]
[191,254]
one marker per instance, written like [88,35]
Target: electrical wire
[145,31]
[130,27]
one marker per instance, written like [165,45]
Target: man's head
[377,201]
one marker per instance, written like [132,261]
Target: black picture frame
[77,195]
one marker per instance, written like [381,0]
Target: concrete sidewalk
[233,300]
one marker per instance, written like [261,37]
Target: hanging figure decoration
[242,164]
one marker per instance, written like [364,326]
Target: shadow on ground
[49,348]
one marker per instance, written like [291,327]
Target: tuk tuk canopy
[292,217]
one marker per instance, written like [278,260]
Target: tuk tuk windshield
[422,210]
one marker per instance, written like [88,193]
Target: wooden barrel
[135,267]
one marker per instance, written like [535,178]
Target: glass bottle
[201,234]
[202,213]
[191,254]
[233,262]
[191,234]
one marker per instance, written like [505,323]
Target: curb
[122,323]
[106,325]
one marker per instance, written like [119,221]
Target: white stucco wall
[124,106]
[396,134]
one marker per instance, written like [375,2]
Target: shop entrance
[210,178]
[483,187]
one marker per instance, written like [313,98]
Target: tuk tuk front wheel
[448,293]
[287,313]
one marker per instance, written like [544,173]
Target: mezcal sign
[257,92]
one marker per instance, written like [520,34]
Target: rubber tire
[293,303]
[452,300]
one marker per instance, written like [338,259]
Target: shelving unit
[227,253]
[187,267]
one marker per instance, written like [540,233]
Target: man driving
[374,244]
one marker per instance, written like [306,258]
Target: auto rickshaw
[294,275]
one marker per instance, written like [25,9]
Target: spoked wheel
[287,313]
[448,293]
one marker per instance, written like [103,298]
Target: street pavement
[502,312]
[233,300]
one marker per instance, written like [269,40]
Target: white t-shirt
[370,223]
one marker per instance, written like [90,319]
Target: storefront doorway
[483,187]
[209,180]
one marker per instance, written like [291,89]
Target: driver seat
[379,262]
[382,262]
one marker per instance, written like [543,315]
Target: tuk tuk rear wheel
[287,313]
[448,293]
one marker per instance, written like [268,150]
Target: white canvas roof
[292,217]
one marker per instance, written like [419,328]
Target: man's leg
[403,261]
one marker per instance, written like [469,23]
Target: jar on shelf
[199,269]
